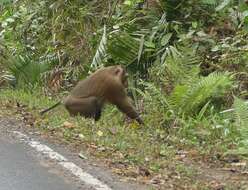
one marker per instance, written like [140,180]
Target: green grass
[152,146]
[151,140]
[137,145]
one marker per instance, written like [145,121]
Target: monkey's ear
[117,71]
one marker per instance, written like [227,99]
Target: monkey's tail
[48,109]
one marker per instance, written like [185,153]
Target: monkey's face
[120,71]
[124,77]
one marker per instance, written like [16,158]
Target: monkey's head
[122,74]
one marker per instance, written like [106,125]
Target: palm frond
[222,5]
[124,48]
[101,51]
[26,71]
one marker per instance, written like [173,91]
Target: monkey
[105,85]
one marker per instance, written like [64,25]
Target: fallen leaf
[99,133]
[147,159]
[143,171]
[102,149]
[239,164]
[92,146]
[82,156]
[156,180]
[81,136]
[68,125]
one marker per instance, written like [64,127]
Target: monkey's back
[97,84]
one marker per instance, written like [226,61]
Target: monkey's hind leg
[88,107]
[98,112]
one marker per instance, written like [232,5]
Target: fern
[240,109]
[191,97]
[49,59]
[210,3]
[241,114]
[179,66]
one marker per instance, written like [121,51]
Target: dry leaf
[68,125]
[81,136]
[99,133]
[82,156]
[143,171]
[239,164]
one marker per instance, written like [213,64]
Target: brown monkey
[106,85]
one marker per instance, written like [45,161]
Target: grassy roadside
[147,154]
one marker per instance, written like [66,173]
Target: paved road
[27,164]
[20,171]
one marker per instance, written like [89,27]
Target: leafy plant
[101,51]
[27,72]
[240,110]
[241,113]
[191,97]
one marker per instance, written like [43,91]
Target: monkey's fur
[106,85]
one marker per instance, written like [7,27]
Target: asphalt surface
[23,167]
[19,170]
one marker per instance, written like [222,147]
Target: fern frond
[190,97]
[181,66]
[240,109]
[210,2]
[49,59]
[241,113]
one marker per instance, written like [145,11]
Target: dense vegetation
[188,61]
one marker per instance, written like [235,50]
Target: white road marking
[61,160]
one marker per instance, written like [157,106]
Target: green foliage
[240,109]
[181,67]
[241,113]
[189,54]
[27,72]
[190,97]
[61,27]
[123,48]
[101,51]
[5,2]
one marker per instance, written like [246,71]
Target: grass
[129,146]
[136,145]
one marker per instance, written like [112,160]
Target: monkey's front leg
[126,107]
